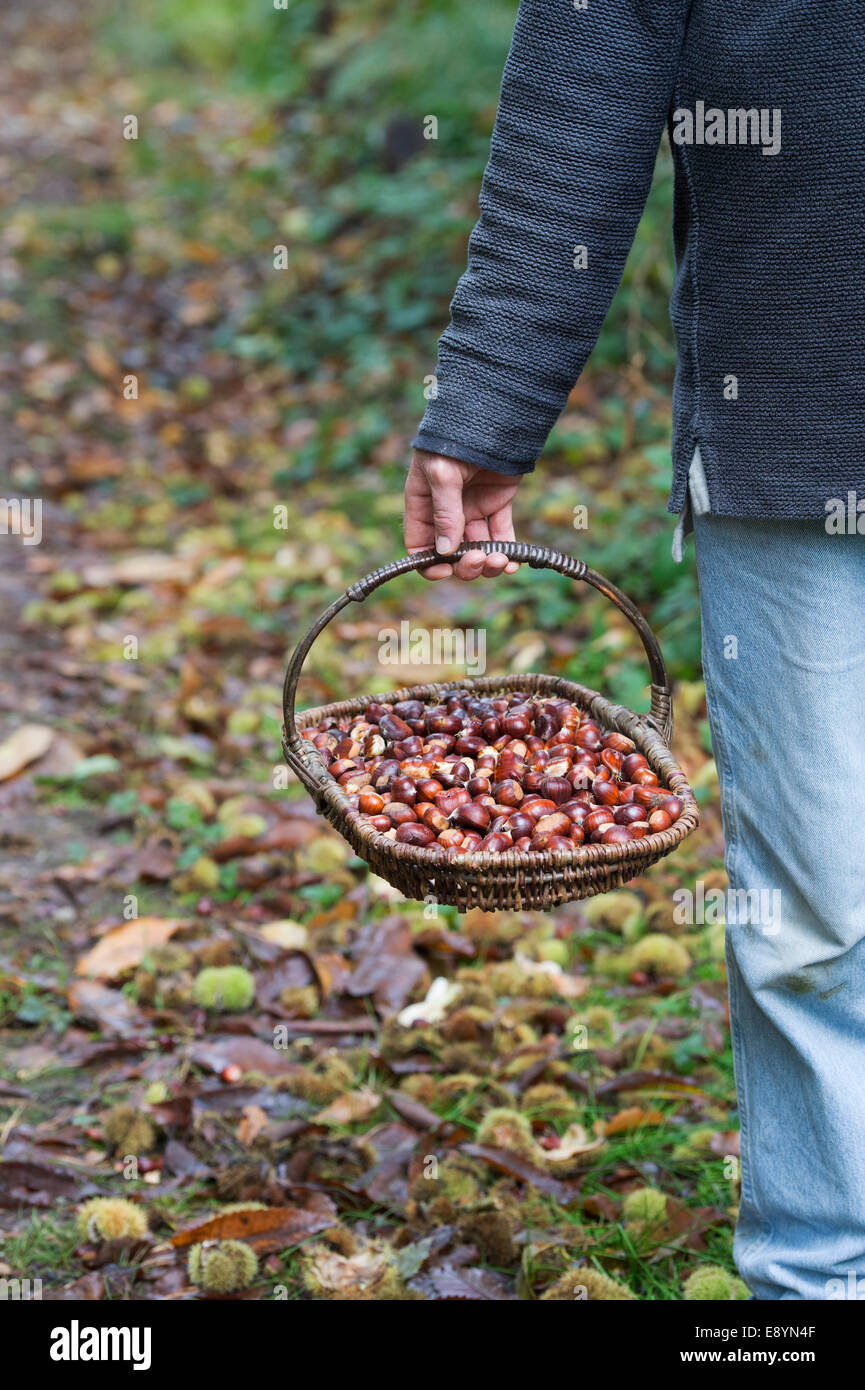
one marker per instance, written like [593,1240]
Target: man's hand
[447,502]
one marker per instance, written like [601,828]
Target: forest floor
[147,832]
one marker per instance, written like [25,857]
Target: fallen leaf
[253,1122]
[272,1229]
[338,1274]
[564,1192]
[292,936]
[441,994]
[122,948]
[633,1118]
[29,742]
[346,1109]
[477,1284]
[574,1141]
[110,1010]
[143,567]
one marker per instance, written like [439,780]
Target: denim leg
[783,607]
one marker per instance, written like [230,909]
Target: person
[765,105]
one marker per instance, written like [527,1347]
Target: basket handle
[537,557]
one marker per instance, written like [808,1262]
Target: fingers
[418,527]
[449,502]
[473,565]
[446,480]
[501,525]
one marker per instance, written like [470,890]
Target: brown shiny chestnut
[496,842]
[601,816]
[557,789]
[448,802]
[616,834]
[508,792]
[403,789]
[632,762]
[398,813]
[415,834]
[556,823]
[605,793]
[473,816]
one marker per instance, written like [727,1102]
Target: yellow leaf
[292,936]
[27,744]
[124,947]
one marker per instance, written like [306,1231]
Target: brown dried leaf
[269,1230]
[346,1109]
[122,948]
[633,1118]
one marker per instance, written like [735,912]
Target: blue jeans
[783,608]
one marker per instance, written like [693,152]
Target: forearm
[583,103]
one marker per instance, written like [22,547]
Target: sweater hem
[434,444]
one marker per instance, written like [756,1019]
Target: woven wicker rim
[646,731]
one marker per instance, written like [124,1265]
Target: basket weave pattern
[509,880]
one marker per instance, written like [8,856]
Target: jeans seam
[725,780]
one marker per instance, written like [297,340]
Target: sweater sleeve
[584,99]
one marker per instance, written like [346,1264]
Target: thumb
[446,486]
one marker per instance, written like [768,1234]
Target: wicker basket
[511,880]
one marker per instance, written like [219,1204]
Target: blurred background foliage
[303,127]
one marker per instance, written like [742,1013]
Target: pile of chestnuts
[514,772]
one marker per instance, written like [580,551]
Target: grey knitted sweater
[765,103]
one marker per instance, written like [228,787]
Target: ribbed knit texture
[769,248]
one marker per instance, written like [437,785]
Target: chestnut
[473,816]
[557,789]
[673,805]
[520,824]
[447,802]
[496,842]
[398,813]
[451,838]
[409,709]
[605,793]
[616,834]
[555,842]
[555,824]
[624,815]
[415,834]
[370,803]
[403,789]
[428,789]
[469,744]
[631,763]
[507,793]
[394,728]
[659,820]
[472,840]
[619,742]
[644,777]
[430,815]
[601,816]
[477,786]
